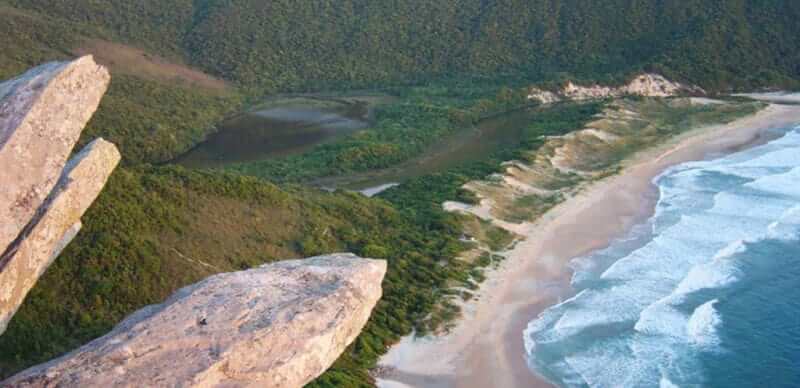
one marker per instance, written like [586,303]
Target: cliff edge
[43,197]
[278,325]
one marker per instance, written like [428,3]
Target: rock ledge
[278,325]
[42,114]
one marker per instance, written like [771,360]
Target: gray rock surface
[54,225]
[42,114]
[279,325]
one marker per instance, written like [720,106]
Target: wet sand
[486,348]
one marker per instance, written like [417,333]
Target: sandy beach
[486,349]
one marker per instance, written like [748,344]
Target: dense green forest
[265,47]
[149,121]
[447,63]
[269,46]
[152,226]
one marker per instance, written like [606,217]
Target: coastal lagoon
[469,145]
[703,294]
[279,129]
[292,126]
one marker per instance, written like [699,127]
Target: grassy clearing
[154,123]
[129,60]
[150,115]
[484,232]
[526,207]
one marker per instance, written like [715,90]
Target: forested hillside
[263,47]
[150,121]
[269,46]
[467,60]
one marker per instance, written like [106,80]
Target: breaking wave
[653,309]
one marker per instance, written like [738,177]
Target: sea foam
[702,326]
[646,315]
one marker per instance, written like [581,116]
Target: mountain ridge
[288,45]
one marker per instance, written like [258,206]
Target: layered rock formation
[646,85]
[42,114]
[279,325]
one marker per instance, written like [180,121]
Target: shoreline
[486,346]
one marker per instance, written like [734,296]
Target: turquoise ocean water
[705,294]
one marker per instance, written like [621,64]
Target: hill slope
[282,44]
[157,228]
[161,103]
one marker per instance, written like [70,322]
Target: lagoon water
[276,132]
[706,293]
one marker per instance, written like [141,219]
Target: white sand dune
[486,348]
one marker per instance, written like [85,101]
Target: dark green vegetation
[150,121]
[285,44]
[265,47]
[155,229]
[420,117]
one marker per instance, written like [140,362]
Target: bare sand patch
[485,348]
[123,59]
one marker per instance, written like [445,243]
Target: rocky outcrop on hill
[646,85]
[42,114]
[54,226]
[279,325]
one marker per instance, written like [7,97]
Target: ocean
[706,293]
